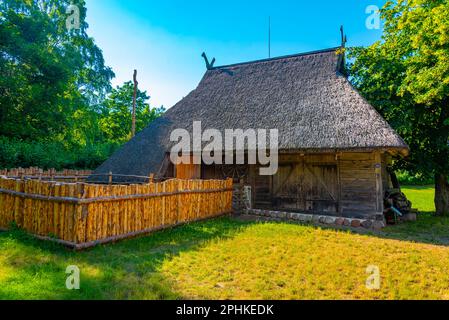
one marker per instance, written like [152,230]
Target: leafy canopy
[115,120]
[47,72]
[406,77]
[56,105]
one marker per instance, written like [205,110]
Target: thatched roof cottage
[334,147]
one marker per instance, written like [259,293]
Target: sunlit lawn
[428,228]
[232,259]
[422,197]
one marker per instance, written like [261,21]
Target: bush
[45,155]
[418,179]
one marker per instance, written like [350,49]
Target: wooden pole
[379,183]
[338,157]
[134,103]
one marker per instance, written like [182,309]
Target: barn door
[288,186]
[322,189]
[322,193]
[262,192]
[300,187]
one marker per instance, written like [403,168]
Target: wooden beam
[81,201]
[337,157]
[252,182]
[164,166]
[302,188]
[379,184]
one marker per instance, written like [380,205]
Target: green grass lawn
[422,197]
[232,259]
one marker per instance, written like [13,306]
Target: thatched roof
[304,96]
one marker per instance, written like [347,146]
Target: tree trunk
[394,179]
[441,195]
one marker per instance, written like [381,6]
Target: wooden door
[321,187]
[288,187]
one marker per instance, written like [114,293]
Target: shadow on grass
[32,269]
[429,229]
[125,270]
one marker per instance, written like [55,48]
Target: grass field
[233,259]
[421,197]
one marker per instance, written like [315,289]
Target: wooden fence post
[178,200]
[163,204]
[110,177]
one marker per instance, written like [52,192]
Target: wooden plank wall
[360,189]
[348,184]
[344,184]
[148,207]
[188,171]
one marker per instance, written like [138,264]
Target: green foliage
[406,77]
[15,153]
[55,111]
[13,226]
[116,122]
[52,236]
[416,179]
[47,72]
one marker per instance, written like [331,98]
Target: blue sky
[164,40]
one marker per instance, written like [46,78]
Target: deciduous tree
[406,77]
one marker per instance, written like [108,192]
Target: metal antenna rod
[269,37]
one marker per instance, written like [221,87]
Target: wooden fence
[36,172]
[73,176]
[50,174]
[83,215]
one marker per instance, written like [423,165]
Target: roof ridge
[277,58]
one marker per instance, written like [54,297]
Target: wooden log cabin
[335,149]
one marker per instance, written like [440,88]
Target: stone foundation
[319,219]
[241,198]
[238,205]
